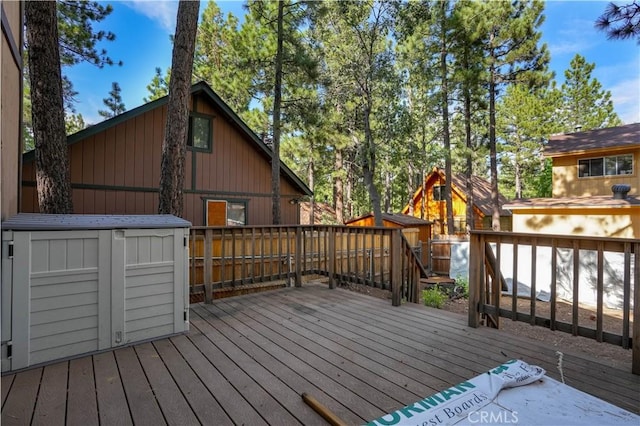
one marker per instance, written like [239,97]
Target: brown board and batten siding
[115,166]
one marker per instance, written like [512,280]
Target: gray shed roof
[61,222]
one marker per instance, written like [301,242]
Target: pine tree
[175,135]
[621,21]
[222,57]
[159,85]
[114,103]
[509,32]
[526,118]
[586,105]
[74,123]
[77,42]
[52,164]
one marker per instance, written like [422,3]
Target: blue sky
[143,28]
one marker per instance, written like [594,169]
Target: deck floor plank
[51,407]
[289,407]
[203,404]
[304,363]
[82,404]
[490,346]
[174,406]
[300,375]
[420,365]
[245,382]
[112,401]
[247,359]
[5,384]
[361,370]
[140,397]
[578,367]
[21,401]
[230,399]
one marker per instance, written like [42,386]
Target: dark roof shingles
[611,137]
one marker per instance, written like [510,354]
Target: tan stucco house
[587,168]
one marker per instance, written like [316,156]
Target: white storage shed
[75,284]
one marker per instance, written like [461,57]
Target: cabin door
[216,213]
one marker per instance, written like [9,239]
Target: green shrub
[433,297]
[462,287]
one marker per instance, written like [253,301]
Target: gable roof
[481,191]
[200,88]
[593,140]
[397,218]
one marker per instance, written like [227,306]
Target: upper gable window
[606,166]
[438,193]
[200,132]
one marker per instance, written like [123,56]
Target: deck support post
[396,267]
[475,278]
[635,360]
[299,251]
[208,265]
[331,257]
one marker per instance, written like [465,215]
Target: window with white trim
[613,165]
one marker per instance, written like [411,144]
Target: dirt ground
[564,342]
[612,322]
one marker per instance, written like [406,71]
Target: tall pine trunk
[311,175]
[445,116]
[175,135]
[338,188]
[493,155]
[277,101]
[369,166]
[469,152]
[469,159]
[52,163]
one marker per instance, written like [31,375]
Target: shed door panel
[64,293]
[150,299]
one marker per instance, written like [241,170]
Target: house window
[438,193]
[200,132]
[236,213]
[606,166]
[225,213]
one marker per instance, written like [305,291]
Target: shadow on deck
[247,359]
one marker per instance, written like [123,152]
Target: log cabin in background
[115,167]
[434,208]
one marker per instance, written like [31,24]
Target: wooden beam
[635,363]
[476,275]
[208,265]
[396,267]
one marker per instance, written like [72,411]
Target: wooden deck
[247,359]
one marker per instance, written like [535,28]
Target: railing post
[396,267]
[635,361]
[299,251]
[208,265]
[331,257]
[475,277]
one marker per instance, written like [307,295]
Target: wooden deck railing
[575,266]
[228,257]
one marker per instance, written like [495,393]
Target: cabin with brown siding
[115,167]
[432,206]
[11,107]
